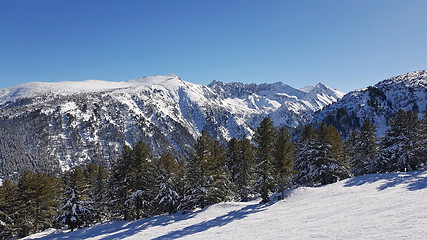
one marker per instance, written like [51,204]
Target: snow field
[378,206]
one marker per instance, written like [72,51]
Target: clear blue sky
[345,44]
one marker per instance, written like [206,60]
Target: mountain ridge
[71,123]
[379,102]
[66,124]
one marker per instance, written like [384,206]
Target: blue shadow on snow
[414,181]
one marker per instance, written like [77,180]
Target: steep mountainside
[54,126]
[379,102]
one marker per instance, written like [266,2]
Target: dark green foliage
[207,182]
[363,148]
[375,96]
[8,198]
[283,161]
[420,145]
[264,139]
[399,144]
[321,160]
[169,183]
[307,134]
[240,163]
[342,120]
[37,203]
[82,203]
[131,183]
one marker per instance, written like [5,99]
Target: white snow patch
[378,206]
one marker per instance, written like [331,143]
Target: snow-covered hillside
[47,126]
[380,102]
[378,206]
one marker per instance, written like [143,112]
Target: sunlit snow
[378,206]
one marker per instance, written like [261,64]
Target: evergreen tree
[420,145]
[207,182]
[218,177]
[100,193]
[75,212]
[283,161]
[398,145]
[132,182]
[120,184]
[141,181]
[240,164]
[78,207]
[365,149]
[321,159]
[264,139]
[350,144]
[38,200]
[232,163]
[169,183]
[307,134]
[8,198]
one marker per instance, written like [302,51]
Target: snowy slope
[379,206]
[71,123]
[380,102]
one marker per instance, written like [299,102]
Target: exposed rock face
[55,126]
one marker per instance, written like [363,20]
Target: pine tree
[305,155]
[38,200]
[321,158]
[240,163]
[350,147]
[264,139]
[120,185]
[132,183]
[141,182]
[75,212]
[232,163]
[169,183]
[8,198]
[218,178]
[398,145]
[365,149]
[78,207]
[283,161]
[100,193]
[307,134]
[420,145]
[207,182]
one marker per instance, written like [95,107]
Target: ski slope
[378,206]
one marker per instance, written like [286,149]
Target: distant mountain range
[55,126]
[378,103]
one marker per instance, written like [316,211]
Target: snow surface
[407,91]
[170,112]
[378,206]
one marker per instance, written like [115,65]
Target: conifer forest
[139,185]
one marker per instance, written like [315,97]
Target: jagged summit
[92,120]
[379,102]
[70,123]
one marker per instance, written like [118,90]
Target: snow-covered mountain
[378,206]
[379,102]
[53,126]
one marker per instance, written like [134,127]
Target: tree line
[139,185]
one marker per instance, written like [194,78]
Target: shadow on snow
[414,181]
[123,229]
[216,222]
